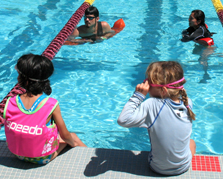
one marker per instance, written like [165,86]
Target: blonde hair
[165,72]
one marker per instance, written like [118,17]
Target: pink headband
[169,85]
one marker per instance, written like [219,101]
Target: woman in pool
[167,115]
[197,29]
[33,120]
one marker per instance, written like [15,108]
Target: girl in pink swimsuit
[27,116]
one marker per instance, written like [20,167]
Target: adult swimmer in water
[93,30]
[198,28]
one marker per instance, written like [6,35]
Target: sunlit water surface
[92,82]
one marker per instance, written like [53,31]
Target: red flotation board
[118,26]
[207,41]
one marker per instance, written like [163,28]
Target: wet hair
[165,72]
[34,71]
[199,15]
[92,11]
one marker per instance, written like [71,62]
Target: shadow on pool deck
[118,161]
[83,162]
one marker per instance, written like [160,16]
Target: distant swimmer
[93,30]
[198,29]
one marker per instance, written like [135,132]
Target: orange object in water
[206,41]
[118,26]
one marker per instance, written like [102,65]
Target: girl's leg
[192,147]
[77,141]
[62,145]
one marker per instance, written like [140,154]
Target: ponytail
[185,100]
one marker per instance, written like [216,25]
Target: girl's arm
[134,113]
[64,133]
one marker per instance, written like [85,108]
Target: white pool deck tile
[81,162]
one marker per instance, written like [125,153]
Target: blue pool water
[93,81]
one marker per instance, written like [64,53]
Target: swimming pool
[92,82]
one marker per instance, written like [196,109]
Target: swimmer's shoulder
[106,27]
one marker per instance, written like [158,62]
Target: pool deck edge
[81,162]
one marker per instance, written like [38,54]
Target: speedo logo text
[24,128]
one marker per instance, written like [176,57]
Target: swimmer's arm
[75,34]
[185,38]
[188,31]
[108,35]
[108,32]
[194,36]
[184,32]
[80,41]
[105,36]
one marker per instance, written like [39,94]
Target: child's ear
[199,22]
[164,91]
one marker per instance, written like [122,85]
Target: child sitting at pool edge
[167,115]
[32,120]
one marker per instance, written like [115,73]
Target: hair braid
[185,100]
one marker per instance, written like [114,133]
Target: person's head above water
[91,17]
[197,18]
[34,71]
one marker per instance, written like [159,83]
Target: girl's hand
[143,87]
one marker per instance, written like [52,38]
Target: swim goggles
[87,17]
[170,84]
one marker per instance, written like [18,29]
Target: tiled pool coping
[99,163]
